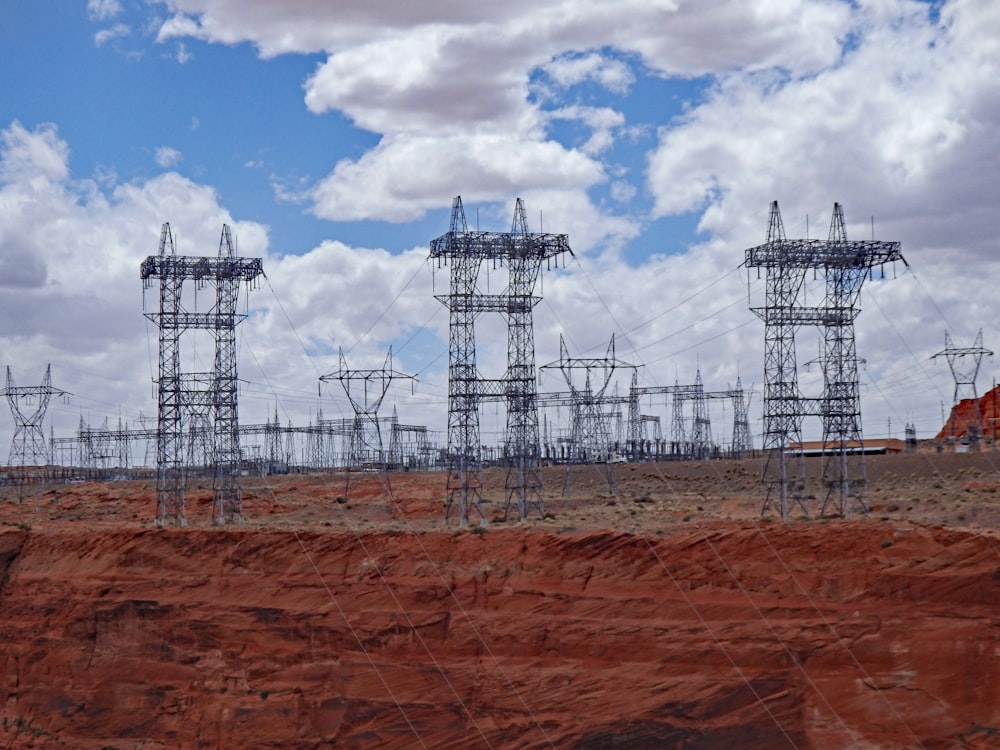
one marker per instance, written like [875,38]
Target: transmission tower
[844,266]
[522,254]
[181,395]
[273,447]
[28,449]
[365,390]
[590,427]
[701,424]
[742,441]
[964,363]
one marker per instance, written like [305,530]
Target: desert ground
[653,605]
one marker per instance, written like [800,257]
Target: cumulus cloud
[888,131]
[71,250]
[410,174]
[880,104]
[431,73]
[38,158]
[888,106]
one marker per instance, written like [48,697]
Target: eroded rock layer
[714,635]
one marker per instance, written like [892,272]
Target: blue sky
[334,136]
[239,123]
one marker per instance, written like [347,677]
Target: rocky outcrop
[973,414]
[860,634]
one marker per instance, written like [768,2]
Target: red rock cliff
[723,635]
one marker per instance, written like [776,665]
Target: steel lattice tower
[590,428]
[365,447]
[701,423]
[840,404]
[182,394]
[700,445]
[742,446]
[964,364]
[522,253]
[844,265]
[28,448]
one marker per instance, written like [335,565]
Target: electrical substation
[594,419]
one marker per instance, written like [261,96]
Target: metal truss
[964,363]
[366,390]
[742,445]
[844,265]
[100,453]
[211,397]
[522,254]
[590,428]
[591,409]
[695,443]
[409,445]
[29,453]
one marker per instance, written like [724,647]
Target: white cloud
[571,69]
[871,103]
[622,191]
[674,37]
[899,129]
[167,157]
[36,159]
[183,55]
[89,242]
[101,10]
[117,31]
[407,175]
[431,73]
[70,253]
[602,121]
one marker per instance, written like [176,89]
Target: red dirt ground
[658,610]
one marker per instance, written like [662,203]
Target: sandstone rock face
[985,412]
[714,634]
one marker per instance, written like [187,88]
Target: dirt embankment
[657,611]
